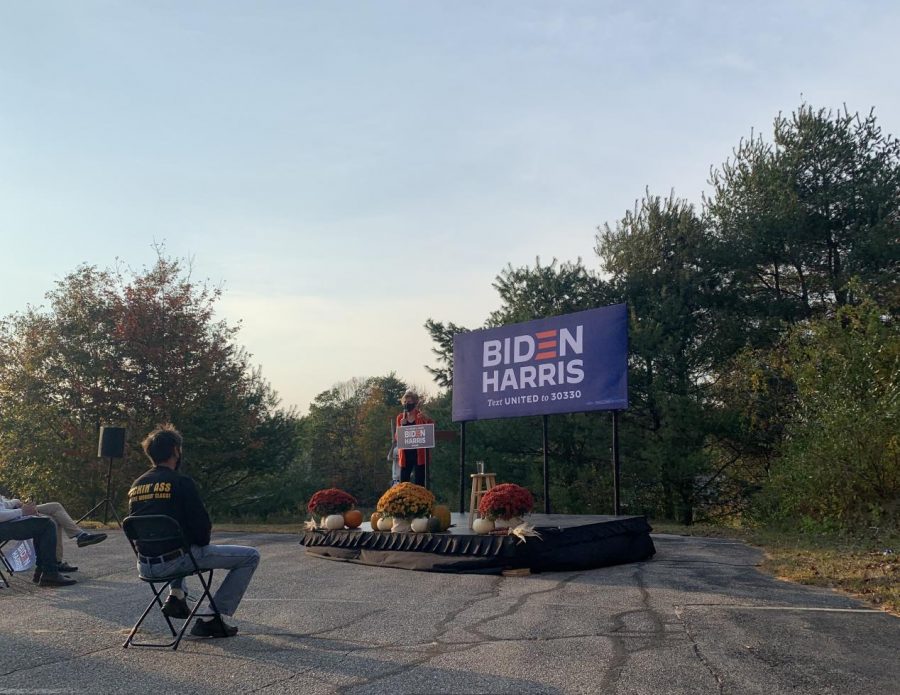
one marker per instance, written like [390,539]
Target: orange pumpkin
[353,518]
[374,520]
[442,512]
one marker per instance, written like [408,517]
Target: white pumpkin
[385,523]
[334,521]
[482,526]
[419,525]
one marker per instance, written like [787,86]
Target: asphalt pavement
[698,618]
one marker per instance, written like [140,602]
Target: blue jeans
[239,560]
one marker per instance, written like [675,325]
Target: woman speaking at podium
[412,461]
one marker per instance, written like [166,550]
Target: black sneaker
[87,538]
[213,628]
[55,579]
[175,607]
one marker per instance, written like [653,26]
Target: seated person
[64,524]
[163,490]
[23,523]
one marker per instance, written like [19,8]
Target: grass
[867,567]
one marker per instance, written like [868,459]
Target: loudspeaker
[112,443]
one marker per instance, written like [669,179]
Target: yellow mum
[406,501]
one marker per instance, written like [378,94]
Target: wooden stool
[481,483]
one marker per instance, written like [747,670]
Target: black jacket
[163,491]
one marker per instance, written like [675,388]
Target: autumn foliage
[133,348]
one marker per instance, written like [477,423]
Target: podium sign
[415,436]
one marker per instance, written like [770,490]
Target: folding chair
[6,566]
[156,527]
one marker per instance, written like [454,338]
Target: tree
[546,290]
[134,349]
[794,220]
[660,257]
[799,217]
[347,434]
[841,460]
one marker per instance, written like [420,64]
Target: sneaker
[55,579]
[66,567]
[175,607]
[213,628]
[86,538]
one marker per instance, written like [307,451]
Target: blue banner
[564,364]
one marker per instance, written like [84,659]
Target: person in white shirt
[64,526]
[19,522]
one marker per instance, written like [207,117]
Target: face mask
[409,407]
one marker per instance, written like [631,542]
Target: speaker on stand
[110,446]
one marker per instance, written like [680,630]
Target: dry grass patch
[867,567]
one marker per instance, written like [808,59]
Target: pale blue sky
[324,159]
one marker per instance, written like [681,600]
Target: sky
[347,170]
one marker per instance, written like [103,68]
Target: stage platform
[568,542]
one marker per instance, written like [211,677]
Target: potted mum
[328,507]
[405,502]
[506,504]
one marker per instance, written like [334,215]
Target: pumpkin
[419,525]
[482,526]
[385,523]
[353,518]
[434,525]
[373,522]
[333,522]
[442,512]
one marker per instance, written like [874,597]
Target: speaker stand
[105,503]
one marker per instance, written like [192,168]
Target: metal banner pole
[546,444]
[617,504]
[462,467]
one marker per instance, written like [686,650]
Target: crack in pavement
[622,651]
[720,681]
[436,647]
[517,606]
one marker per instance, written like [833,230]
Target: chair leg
[129,642]
[206,582]
[5,564]
[177,634]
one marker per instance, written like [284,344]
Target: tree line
[763,361]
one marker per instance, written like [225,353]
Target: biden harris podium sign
[564,364]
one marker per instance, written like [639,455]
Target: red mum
[330,501]
[506,501]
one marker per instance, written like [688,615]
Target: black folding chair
[153,528]
[6,566]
